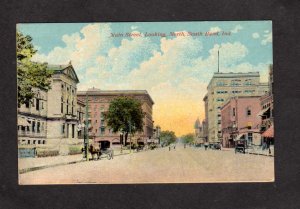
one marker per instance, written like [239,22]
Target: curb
[26,170]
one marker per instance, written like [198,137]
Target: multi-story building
[240,121]
[32,119]
[98,103]
[222,87]
[267,111]
[51,116]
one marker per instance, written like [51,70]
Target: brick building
[98,103]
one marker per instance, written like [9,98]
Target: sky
[175,70]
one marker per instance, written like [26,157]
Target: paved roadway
[190,165]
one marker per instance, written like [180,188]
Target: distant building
[222,87]
[51,117]
[240,121]
[98,103]
[199,132]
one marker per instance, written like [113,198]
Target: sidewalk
[31,164]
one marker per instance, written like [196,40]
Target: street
[189,165]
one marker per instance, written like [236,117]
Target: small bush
[47,153]
[74,150]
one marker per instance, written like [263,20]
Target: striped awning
[262,112]
[269,133]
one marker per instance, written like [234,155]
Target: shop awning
[262,112]
[269,133]
[239,137]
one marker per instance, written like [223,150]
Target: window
[62,105]
[236,82]
[38,127]
[233,111]
[67,106]
[37,106]
[248,82]
[27,103]
[248,111]
[219,121]
[250,138]
[102,130]
[33,126]
[63,129]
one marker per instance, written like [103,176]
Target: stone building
[98,103]
[240,121]
[51,117]
[32,119]
[222,87]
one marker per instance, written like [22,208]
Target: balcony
[22,133]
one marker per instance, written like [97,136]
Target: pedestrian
[169,148]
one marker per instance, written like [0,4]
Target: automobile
[240,147]
[217,146]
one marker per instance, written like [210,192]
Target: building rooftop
[97,92]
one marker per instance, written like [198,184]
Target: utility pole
[130,134]
[86,128]
[218,62]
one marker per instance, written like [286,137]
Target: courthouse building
[222,87]
[51,117]
[98,103]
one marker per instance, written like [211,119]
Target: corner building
[98,103]
[221,88]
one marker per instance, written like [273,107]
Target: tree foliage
[125,115]
[30,74]
[167,137]
[188,138]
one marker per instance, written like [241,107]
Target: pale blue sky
[170,68]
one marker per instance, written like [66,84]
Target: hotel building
[98,103]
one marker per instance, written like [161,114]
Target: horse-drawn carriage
[101,148]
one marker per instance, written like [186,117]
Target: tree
[125,115]
[30,74]
[167,137]
[188,138]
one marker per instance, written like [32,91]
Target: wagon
[99,149]
[240,148]
[105,149]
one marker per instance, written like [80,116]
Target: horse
[93,150]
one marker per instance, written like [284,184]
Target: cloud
[255,35]
[133,27]
[267,38]
[236,29]
[81,48]
[174,71]
[215,29]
